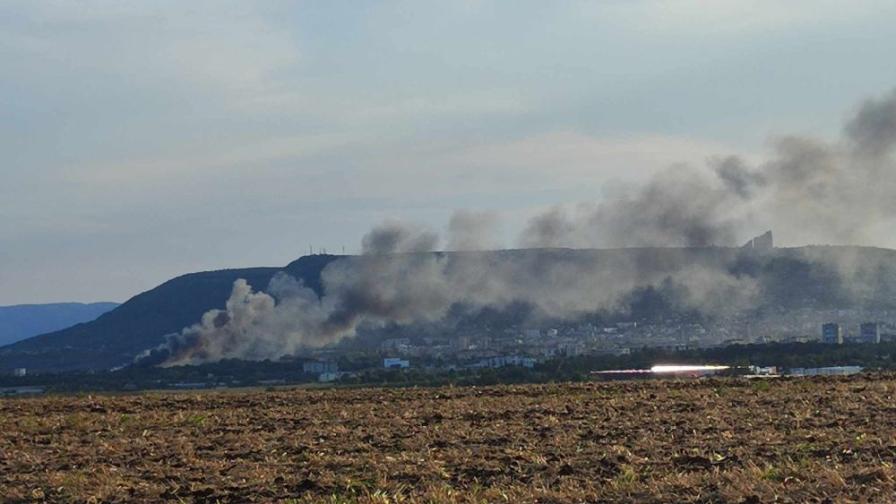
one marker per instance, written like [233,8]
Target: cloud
[131,120]
[229,48]
[735,17]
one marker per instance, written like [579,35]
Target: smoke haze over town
[836,192]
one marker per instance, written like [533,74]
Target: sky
[144,140]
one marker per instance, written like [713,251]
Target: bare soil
[725,440]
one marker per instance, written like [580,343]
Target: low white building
[395,362]
[825,371]
[19,371]
[506,360]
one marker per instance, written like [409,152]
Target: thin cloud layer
[138,136]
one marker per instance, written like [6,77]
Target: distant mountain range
[23,321]
[786,279]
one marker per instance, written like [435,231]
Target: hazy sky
[142,140]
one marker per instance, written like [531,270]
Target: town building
[395,363]
[763,242]
[831,334]
[400,345]
[825,371]
[506,360]
[319,367]
[869,332]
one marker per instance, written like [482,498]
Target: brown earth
[727,440]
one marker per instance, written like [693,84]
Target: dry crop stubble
[654,441]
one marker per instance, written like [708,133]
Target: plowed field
[726,440]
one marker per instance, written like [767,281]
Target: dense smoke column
[679,207]
[393,237]
[737,178]
[809,191]
[471,231]
[290,317]
[872,132]
[424,287]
